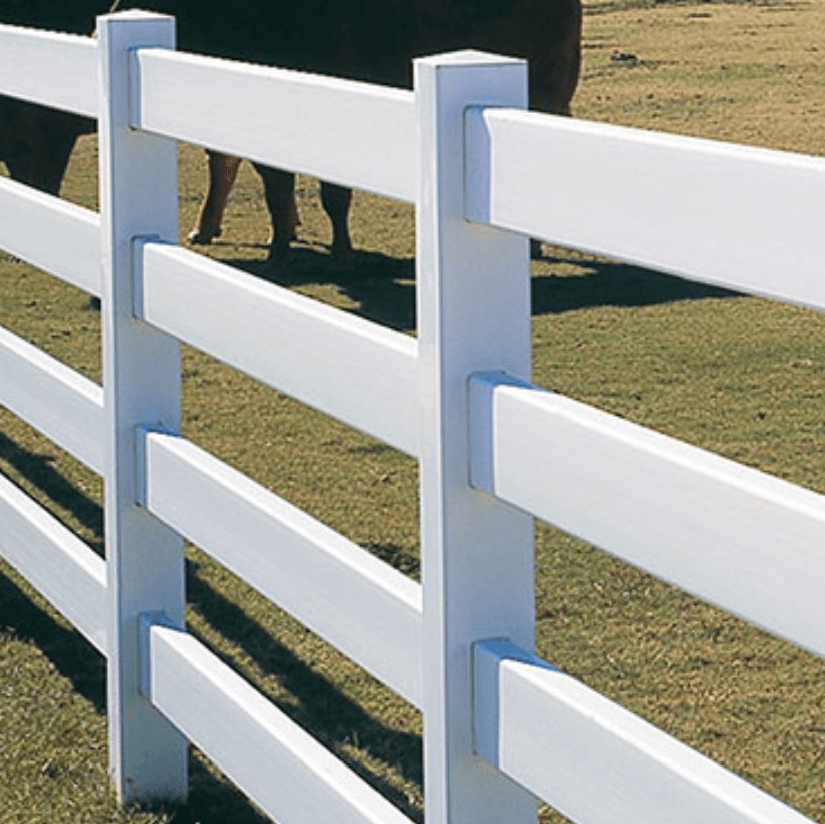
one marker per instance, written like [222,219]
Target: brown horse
[546,33]
[371,40]
[36,142]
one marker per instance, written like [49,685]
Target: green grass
[738,375]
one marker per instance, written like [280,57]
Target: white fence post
[141,377]
[473,316]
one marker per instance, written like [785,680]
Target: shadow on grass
[609,283]
[212,801]
[38,469]
[383,287]
[322,710]
[74,657]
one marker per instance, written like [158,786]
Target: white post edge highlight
[52,234]
[353,369]
[361,605]
[283,769]
[343,131]
[741,539]
[645,197]
[593,760]
[55,562]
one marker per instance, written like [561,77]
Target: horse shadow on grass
[382,288]
[601,283]
[378,287]
[319,707]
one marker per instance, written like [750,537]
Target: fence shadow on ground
[320,707]
[73,657]
[212,801]
[323,710]
[37,468]
[383,287]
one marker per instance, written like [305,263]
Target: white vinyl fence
[500,726]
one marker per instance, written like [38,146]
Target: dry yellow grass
[745,72]
[738,375]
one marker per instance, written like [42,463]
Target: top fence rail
[720,213]
[342,131]
[50,68]
[716,212]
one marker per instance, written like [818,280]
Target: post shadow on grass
[72,655]
[384,287]
[212,801]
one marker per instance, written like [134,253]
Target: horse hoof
[199,238]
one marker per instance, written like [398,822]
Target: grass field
[738,375]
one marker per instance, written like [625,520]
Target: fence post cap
[468,57]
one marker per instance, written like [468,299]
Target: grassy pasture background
[741,376]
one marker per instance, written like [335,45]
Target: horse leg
[279,191]
[336,201]
[223,169]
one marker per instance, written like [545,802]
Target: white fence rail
[459,645]
[242,321]
[74,253]
[29,69]
[695,208]
[317,575]
[590,474]
[362,135]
